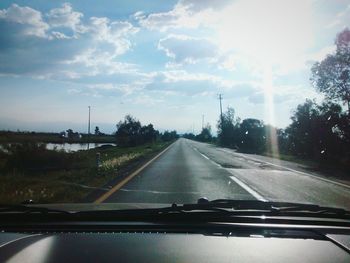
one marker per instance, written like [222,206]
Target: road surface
[189,170]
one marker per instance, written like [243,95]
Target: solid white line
[248,189]
[290,169]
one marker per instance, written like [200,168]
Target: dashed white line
[235,179]
[206,157]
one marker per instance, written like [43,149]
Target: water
[73,147]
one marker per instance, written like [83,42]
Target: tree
[128,132]
[169,136]
[317,132]
[205,135]
[148,133]
[70,133]
[228,129]
[252,134]
[97,131]
[190,136]
[331,76]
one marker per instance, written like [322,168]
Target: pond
[70,147]
[73,147]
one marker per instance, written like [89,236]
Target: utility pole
[220,98]
[89,127]
[202,121]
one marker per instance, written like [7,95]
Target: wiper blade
[9,208]
[256,206]
[275,206]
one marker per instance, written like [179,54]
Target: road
[189,170]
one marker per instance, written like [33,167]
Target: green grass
[69,185]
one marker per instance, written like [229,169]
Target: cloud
[341,18]
[185,49]
[181,82]
[23,20]
[264,33]
[112,32]
[197,6]
[65,17]
[185,14]
[59,45]
[282,94]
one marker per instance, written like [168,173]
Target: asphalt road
[189,170]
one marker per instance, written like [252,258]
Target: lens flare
[271,131]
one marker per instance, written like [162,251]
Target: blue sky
[164,62]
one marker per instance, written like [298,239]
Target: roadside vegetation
[28,170]
[319,133]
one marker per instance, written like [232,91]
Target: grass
[332,170]
[72,184]
[292,158]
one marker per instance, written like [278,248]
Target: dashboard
[167,246]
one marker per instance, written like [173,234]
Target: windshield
[161,102]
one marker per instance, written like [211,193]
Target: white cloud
[181,16]
[29,21]
[89,48]
[65,17]
[185,14]
[185,49]
[112,32]
[263,32]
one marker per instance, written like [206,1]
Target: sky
[164,62]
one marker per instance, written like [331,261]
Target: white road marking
[247,188]
[235,179]
[290,169]
[206,157]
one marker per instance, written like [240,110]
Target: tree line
[130,132]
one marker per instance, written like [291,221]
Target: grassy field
[70,181]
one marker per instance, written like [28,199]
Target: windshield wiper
[256,207]
[10,208]
[270,206]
